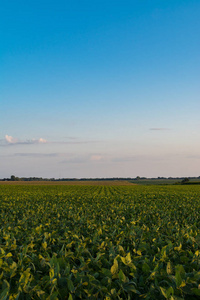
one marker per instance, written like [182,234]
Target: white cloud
[96,157]
[9,139]
[41,141]
[13,141]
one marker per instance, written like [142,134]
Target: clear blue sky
[100,88]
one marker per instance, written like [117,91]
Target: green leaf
[170,291]
[130,287]
[169,268]
[44,245]
[113,291]
[106,272]
[179,275]
[145,268]
[176,298]
[121,276]
[178,279]
[196,291]
[178,248]
[9,255]
[70,285]
[114,268]
[6,289]
[53,296]
[40,293]
[164,292]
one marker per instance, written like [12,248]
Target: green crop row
[99,242]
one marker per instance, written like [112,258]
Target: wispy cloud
[137,158]
[124,159]
[67,157]
[75,160]
[71,137]
[84,159]
[37,154]
[10,141]
[159,128]
[96,157]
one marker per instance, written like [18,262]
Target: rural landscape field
[99,242]
[100,150]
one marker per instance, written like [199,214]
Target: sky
[96,88]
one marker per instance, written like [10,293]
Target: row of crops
[99,242]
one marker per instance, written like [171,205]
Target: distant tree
[185,180]
[14,178]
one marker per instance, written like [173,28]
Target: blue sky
[100,88]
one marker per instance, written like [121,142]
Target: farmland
[99,242]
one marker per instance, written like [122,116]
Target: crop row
[99,242]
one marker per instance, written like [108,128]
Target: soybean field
[99,242]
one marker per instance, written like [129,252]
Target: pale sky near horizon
[100,88]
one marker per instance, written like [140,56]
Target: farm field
[164,181]
[99,242]
[73,182]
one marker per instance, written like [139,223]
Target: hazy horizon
[93,89]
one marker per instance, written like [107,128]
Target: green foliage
[99,242]
[185,180]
